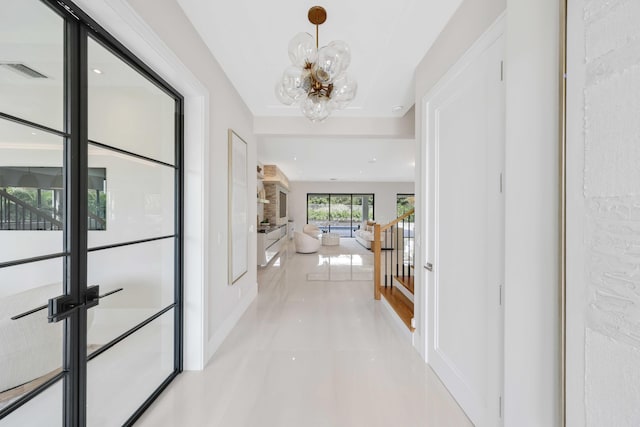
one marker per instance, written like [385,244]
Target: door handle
[91,301]
[60,308]
[26,313]
[429,266]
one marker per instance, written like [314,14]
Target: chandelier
[317,81]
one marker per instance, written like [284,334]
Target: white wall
[603,135]
[532,325]
[226,110]
[384,193]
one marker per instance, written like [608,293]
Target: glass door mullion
[178,247]
[75,238]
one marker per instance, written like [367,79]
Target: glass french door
[90,223]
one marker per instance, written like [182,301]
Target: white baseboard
[216,341]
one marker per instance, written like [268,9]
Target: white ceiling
[387,38]
[346,160]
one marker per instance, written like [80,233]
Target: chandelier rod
[317,16]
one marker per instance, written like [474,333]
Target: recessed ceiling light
[373,160]
[397,108]
[295,158]
[34,133]
[97,71]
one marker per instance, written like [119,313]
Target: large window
[339,213]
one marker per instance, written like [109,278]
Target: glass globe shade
[282,96]
[342,49]
[292,81]
[316,109]
[302,48]
[344,90]
[332,61]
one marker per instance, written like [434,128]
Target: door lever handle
[91,297]
[111,292]
[26,313]
[429,266]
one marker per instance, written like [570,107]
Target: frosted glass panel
[140,198]
[30,347]
[145,273]
[32,62]
[126,110]
[122,378]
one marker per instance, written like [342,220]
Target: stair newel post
[376,246]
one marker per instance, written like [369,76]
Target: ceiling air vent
[24,70]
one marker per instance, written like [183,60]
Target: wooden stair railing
[393,248]
[16,214]
[380,242]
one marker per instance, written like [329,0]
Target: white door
[465,157]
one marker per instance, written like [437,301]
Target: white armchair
[305,244]
[312,230]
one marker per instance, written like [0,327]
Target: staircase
[16,214]
[393,249]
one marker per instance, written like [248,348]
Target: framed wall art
[238,207]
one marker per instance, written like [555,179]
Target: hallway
[314,349]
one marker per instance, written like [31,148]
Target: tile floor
[313,350]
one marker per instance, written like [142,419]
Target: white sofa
[364,235]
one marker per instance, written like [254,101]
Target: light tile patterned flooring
[313,350]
